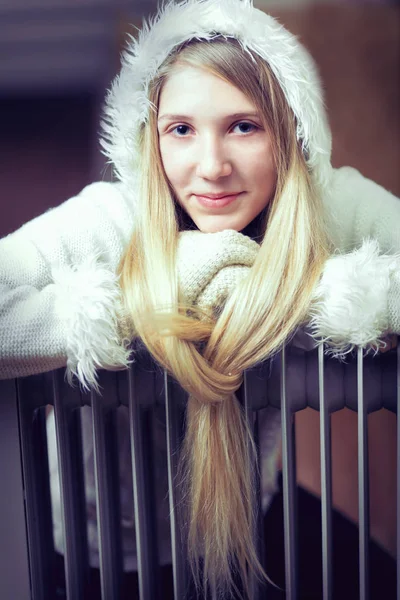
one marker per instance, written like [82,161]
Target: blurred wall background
[58,58]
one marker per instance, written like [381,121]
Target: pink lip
[219,202]
[218,196]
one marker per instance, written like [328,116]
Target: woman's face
[213,144]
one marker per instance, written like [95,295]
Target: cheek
[174,164]
[263,170]
[258,157]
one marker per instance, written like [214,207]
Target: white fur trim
[128,104]
[89,301]
[351,300]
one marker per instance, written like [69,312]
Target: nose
[213,161]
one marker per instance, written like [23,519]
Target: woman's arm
[376,215]
[58,288]
[357,301]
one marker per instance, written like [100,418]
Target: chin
[213,225]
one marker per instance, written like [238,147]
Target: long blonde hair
[218,460]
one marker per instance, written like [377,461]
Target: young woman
[227,231]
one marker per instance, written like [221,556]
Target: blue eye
[182,130]
[180,127]
[246,124]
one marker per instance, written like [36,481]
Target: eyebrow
[241,115]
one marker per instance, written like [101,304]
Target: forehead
[194,88]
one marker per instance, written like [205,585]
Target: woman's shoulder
[98,221]
[100,200]
[358,208]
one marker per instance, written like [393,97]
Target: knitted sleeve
[59,292]
[360,209]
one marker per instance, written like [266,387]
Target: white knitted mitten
[210,265]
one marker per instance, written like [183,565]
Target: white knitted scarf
[210,265]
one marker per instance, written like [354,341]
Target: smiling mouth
[218,196]
[220,202]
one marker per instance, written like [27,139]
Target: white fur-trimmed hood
[127,104]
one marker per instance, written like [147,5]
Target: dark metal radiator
[291,381]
